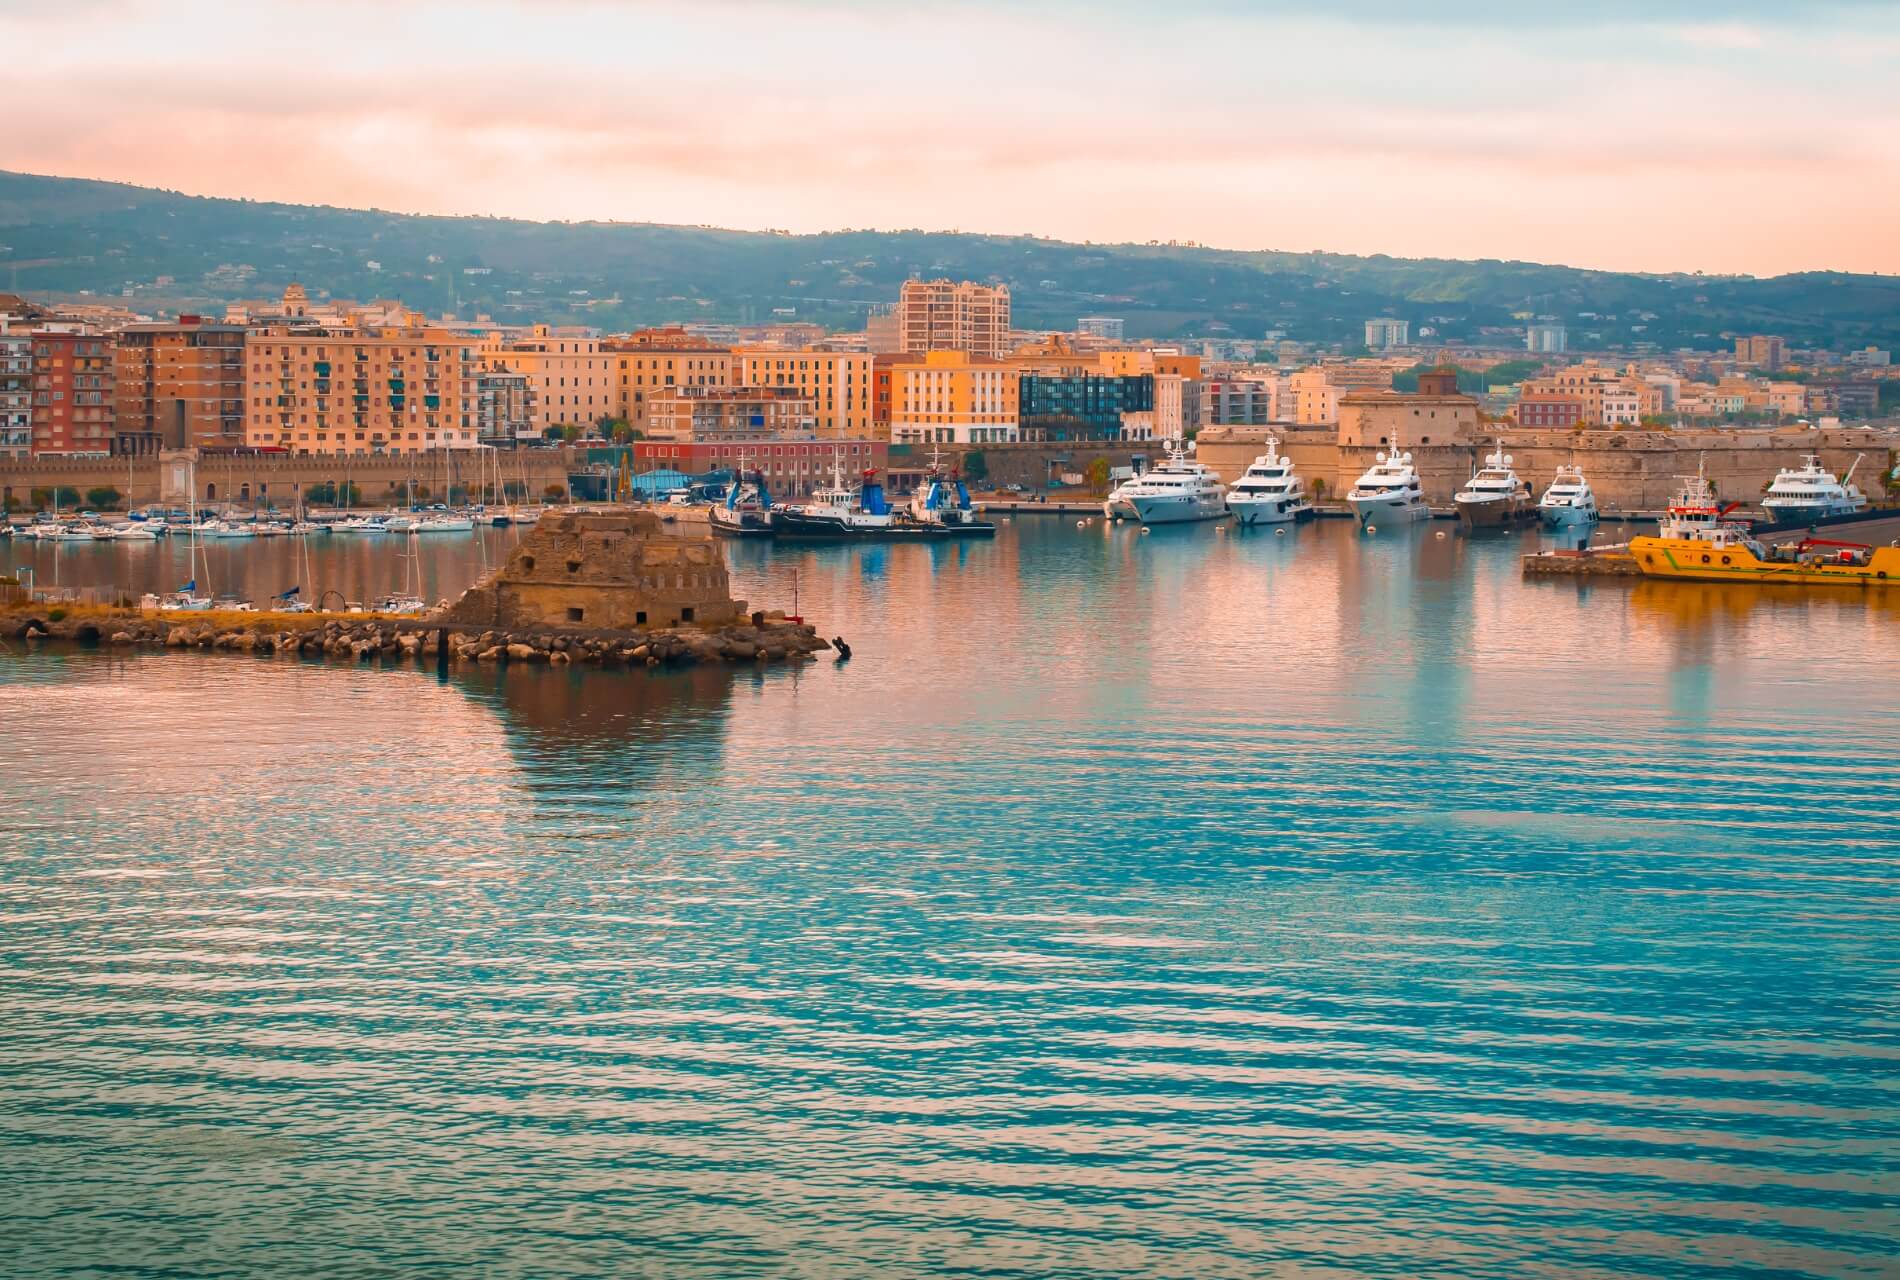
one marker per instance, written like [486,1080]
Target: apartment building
[1763,350]
[953,397]
[837,382]
[1244,402]
[504,409]
[360,391]
[655,363]
[1085,407]
[179,386]
[944,315]
[1384,332]
[16,392]
[572,376]
[72,393]
[731,414]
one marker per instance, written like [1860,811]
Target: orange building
[953,397]
[360,390]
[655,363]
[837,382]
[72,393]
[572,377]
[180,386]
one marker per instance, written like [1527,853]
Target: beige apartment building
[359,391]
[572,377]
[838,384]
[945,315]
[657,363]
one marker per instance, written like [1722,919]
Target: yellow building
[359,390]
[1315,398]
[952,397]
[644,374]
[837,382]
[572,377]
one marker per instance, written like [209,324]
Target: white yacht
[1177,491]
[1117,506]
[1809,492]
[1568,500]
[132,533]
[1494,496]
[1269,492]
[1389,492]
[223,529]
[360,524]
[445,523]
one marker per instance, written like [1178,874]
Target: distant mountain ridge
[67,235]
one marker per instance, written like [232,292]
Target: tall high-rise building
[1111,327]
[179,386]
[944,315]
[1384,332]
[313,390]
[1763,350]
[72,393]
[1545,338]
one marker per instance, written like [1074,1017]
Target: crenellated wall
[248,477]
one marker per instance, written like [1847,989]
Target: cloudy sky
[1665,135]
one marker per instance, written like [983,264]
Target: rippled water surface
[1177,904]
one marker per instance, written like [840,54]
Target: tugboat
[747,510]
[1568,501]
[1269,492]
[1697,542]
[1808,493]
[838,510]
[1177,491]
[943,501]
[1494,497]
[1389,492]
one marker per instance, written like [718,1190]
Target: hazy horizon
[1672,137]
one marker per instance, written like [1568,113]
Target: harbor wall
[1632,470]
[248,477]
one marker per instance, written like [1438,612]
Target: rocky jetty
[764,638]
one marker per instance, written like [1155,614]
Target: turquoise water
[1191,903]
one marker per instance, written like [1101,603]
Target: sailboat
[187,598]
[404,602]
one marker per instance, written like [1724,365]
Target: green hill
[64,236]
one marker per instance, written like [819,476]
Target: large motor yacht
[1568,501]
[1494,496]
[1269,492]
[1801,495]
[1389,492]
[1177,491]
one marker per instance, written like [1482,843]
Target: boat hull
[799,526]
[1248,513]
[1388,510]
[1494,513]
[1567,517]
[749,524]
[1699,561]
[1167,509]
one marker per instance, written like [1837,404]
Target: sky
[1668,135]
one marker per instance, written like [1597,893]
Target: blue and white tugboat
[943,502]
[747,509]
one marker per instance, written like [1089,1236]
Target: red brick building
[72,394]
[1549,411]
[790,466]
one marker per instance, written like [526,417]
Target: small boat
[747,509]
[303,528]
[270,529]
[1389,493]
[185,599]
[223,529]
[69,533]
[943,500]
[361,524]
[133,533]
[399,604]
[1494,497]
[399,524]
[444,524]
[1269,492]
[1176,492]
[1568,501]
[1805,494]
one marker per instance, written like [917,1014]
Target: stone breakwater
[768,639]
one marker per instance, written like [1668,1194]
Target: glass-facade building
[1081,406]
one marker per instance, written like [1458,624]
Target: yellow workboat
[1696,542]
